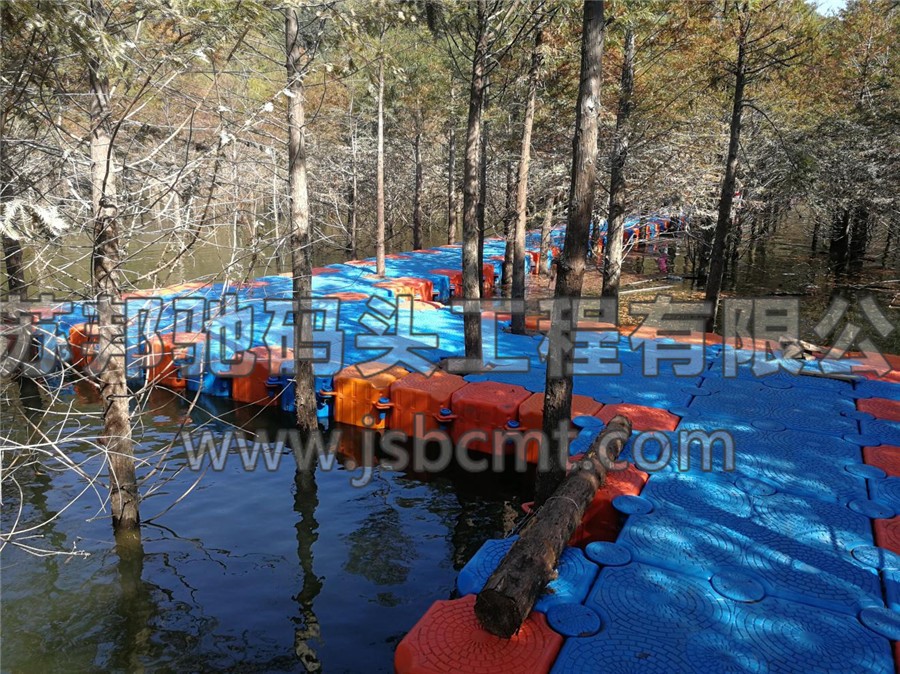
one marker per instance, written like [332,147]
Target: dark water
[254,571]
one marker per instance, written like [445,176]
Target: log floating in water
[511,591]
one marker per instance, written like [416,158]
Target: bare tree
[301,269]
[518,264]
[615,221]
[470,255]
[570,269]
[107,258]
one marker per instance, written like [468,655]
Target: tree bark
[612,255]
[301,269]
[859,236]
[472,272]
[12,249]
[570,269]
[511,591]
[417,196]
[509,230]
[545,234]
[106,260]
[726,198]
[451,177]
[379,176]
[482,185]
[814,245]
[352,191]
[518,271]
[840,240]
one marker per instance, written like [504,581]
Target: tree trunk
[106,258]
[814,246]
[570,269]
[726,198]
[509,230]
[451,179]
[518,280]
[482,186]
[301,269]
[615,221]
[352,191]
[379,176]
[471,271]
[840,240]
[889,237]
[545,235]
[511,591]
[417,196]
[15,268]
[12,249]
[859,236]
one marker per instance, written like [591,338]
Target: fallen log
[510,593]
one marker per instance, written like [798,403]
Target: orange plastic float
[167,350]
[886,457]
[360,393]
[417,288]
[252,387]
[483,407]
[887,534]
[448,640]
[417,394]
[531,417]
[643,418]
[455,277]
[488,275]
[83,340]
[883,408]
[602,522]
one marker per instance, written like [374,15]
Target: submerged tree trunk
[545,234]
[509,230]
[518,281]
[106,258]
[859,236]
[301,269]
[615,220]
[840,240]
[417,195]
[814,245]
[570,269]
[471,270]
[726,198]
[379,176]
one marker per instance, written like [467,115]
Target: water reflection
[308,632]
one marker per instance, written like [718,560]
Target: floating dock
[782,558]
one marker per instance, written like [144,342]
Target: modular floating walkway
[786,561]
